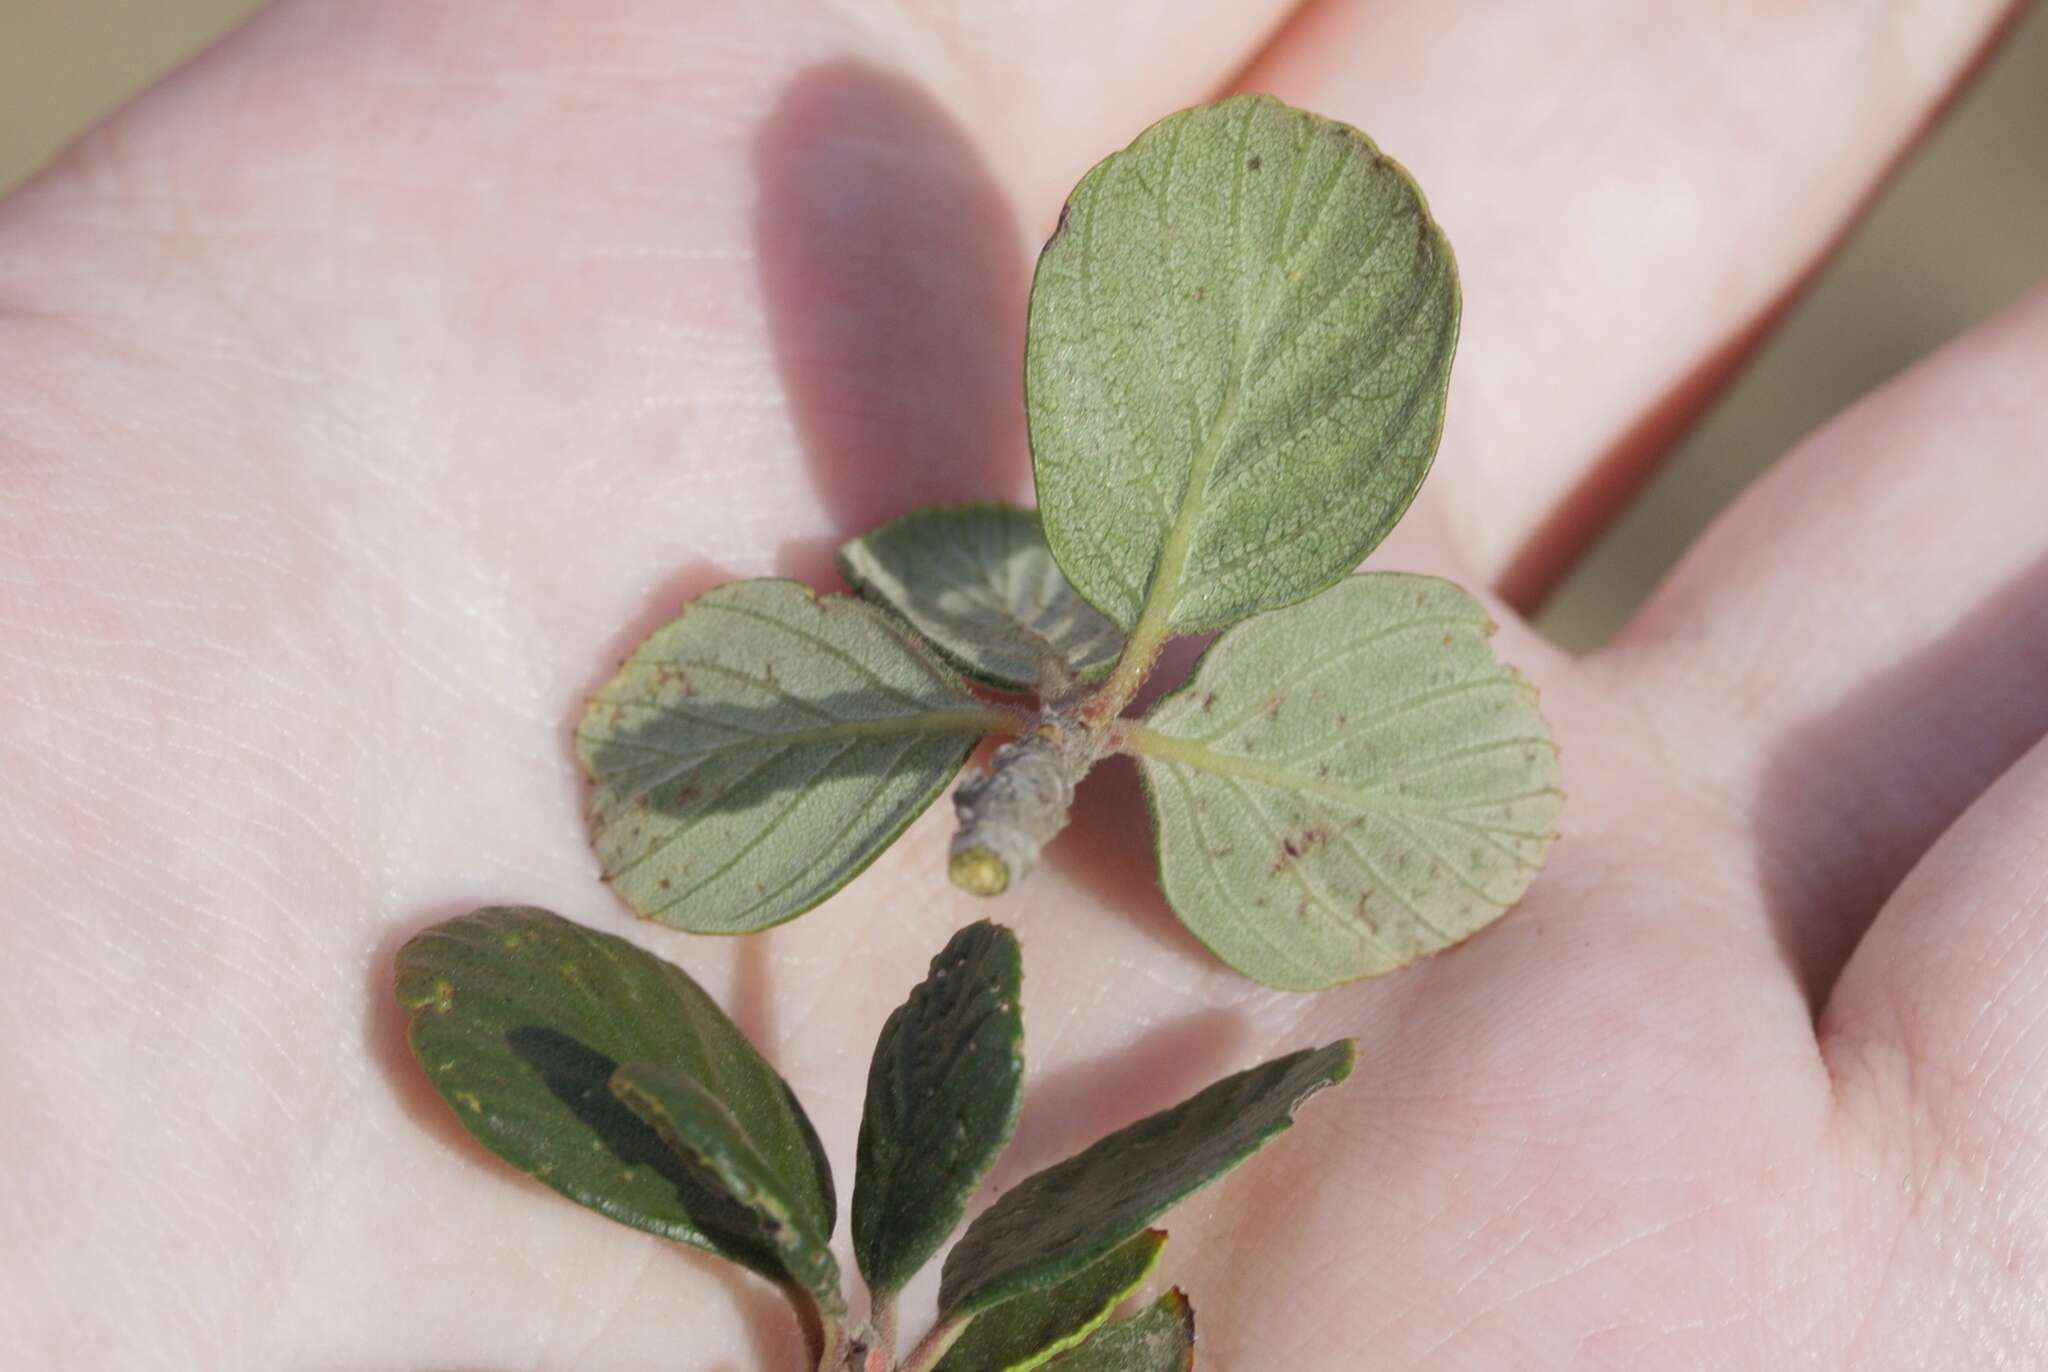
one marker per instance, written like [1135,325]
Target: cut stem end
[980,871]
[1009,815]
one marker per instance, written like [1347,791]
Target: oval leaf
[1159,1338]
[1347,785]
[781,1190]
[942,1099]
[1023,1333]
[757,752]
[1239,342]
[980,584]
[1065,1219]
[520,1018]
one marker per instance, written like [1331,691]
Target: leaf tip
[1176,1306]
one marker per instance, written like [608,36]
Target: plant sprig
[1239,344]
[608,1074]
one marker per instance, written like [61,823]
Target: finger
[1938,1038]
[1866,632]
[759,269]
[1041,86]
[1631,192]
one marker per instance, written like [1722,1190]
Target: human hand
[370,387]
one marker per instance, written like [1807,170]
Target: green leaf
[1239,342]
[979,582]
[781,1189]
[757,752]
[1025,1332]
[1068,1217]
[1349,784]
[520,1018]
[942,1102]
[1159,1338]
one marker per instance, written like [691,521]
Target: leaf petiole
[882,1338]
[932,1347]
[832,1344]
[1155,621]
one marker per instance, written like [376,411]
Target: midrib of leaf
[1151,631]
[1166,748]
[776,745]
[895,726]
[830,649]
[1151,628]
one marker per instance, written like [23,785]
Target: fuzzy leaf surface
[1025,1332]
[1059,1222]
[1346,785]
[979,582]
[1239,343]
[942,1098]
[754,754]
[521,1017]
[1159,1338]
[781,1190]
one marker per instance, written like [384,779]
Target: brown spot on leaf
[1294,847]
[1254,162]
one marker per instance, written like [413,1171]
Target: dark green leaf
[756,753]
[781,1191]
[1348,784]
[1068,1217]
[979,582]
[1159,1338]
[942,1102]
[1024,1332]
[520,1018]
[1239,343]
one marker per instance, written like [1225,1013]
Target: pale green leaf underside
[1022,1333]
[1059,1222]
[1349,784]
[1239,343]
[1159,1338]
[520,1018]
[776,1186]
[756,753]
[980,584]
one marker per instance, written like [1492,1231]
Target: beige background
[1961,232]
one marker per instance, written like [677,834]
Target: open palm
[369,387]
